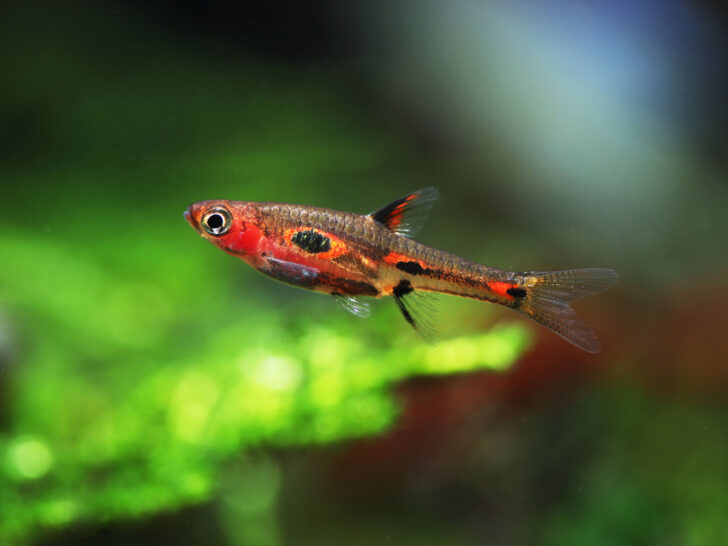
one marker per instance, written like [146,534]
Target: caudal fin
[547,298]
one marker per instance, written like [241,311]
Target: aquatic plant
[135,382]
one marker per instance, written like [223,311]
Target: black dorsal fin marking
[407,214]
[418,308]
[354,305]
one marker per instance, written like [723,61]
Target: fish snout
[192,215]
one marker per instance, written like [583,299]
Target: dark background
[559,134]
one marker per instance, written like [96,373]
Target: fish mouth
[191,219]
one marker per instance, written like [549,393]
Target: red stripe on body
[395,257]
[501,288]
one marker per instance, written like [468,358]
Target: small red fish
[350,255]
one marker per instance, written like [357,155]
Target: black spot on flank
[311,241]
[402,289]
[413,268]
[517,292]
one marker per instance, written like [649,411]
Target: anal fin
[418,308]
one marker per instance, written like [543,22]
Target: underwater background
[154,390]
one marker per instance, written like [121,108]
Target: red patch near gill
[244,240]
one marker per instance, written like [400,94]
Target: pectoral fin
[290,272]
[354,305]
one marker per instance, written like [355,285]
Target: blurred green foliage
[129,391]
[139,359]
[657,477]
[142,368]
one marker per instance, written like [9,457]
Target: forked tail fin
[547,298]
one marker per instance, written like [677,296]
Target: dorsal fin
[407,214]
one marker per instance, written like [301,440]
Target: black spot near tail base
[517,292]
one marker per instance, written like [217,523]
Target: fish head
[230,225]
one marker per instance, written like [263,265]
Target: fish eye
[217,221]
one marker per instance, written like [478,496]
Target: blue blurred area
[154,390]
[597,124]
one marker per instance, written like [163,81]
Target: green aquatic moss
[132,391]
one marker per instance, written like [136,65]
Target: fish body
[351,255]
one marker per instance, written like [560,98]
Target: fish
[356,256]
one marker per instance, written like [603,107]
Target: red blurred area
[675,347]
